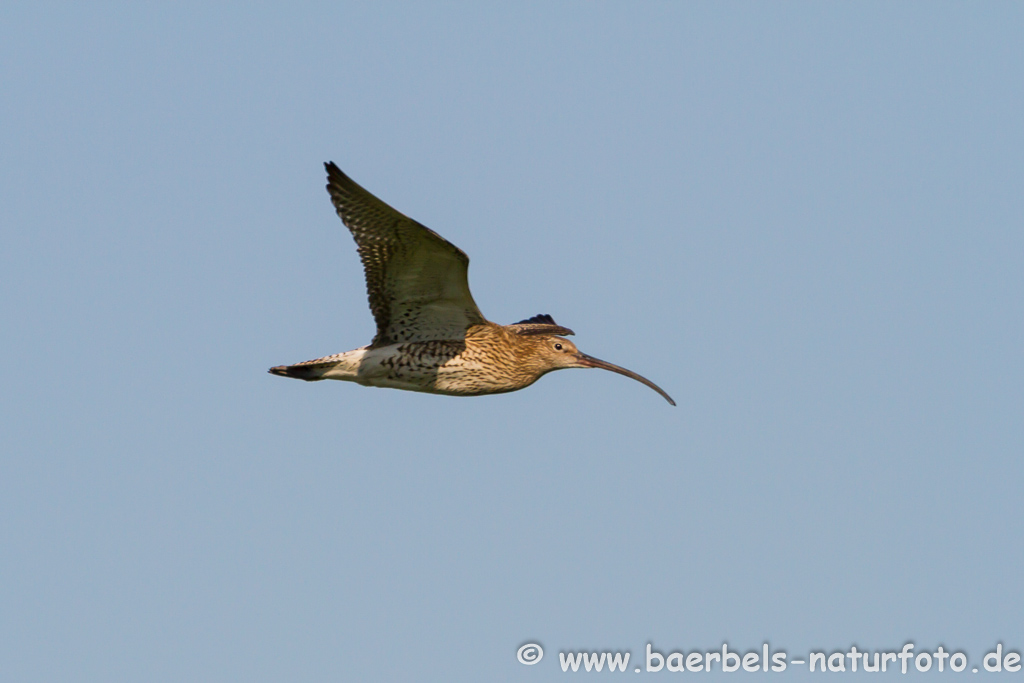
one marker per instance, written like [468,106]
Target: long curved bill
[591,362]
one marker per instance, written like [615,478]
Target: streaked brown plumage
[431,336]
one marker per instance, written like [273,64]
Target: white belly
[394,367]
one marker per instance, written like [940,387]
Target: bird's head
[556,353]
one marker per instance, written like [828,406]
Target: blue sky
[803,220]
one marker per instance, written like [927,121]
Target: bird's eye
[558,347]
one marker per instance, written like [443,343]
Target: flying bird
[431,336]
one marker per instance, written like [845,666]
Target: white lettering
[651,654]
[998,656]
[854,656]
[726,666]
[904,655]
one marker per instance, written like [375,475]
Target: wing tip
[339,183]
[333,172]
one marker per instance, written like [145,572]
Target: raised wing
[540,324]
[416,280]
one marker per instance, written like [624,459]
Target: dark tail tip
[295,371]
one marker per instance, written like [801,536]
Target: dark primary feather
[416,280]
[540,324]
[540,319]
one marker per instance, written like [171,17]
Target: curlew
[431,336]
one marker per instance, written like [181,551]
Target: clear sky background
[803,220]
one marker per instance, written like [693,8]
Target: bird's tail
[307,373]
[339,366]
